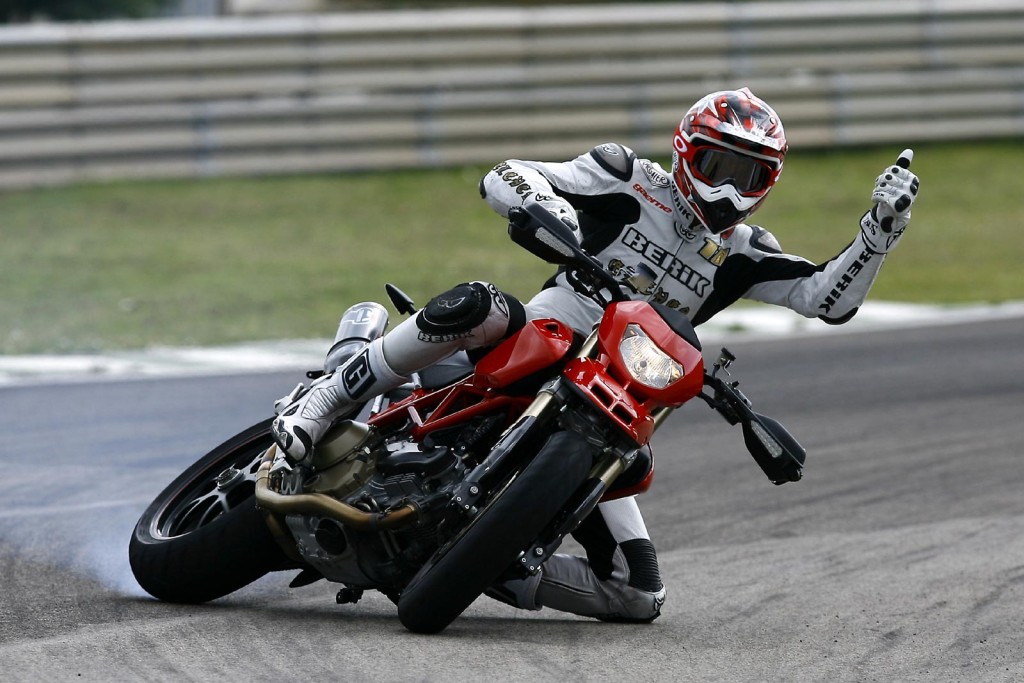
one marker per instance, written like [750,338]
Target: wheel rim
[226,484]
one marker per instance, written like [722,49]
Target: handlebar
[544,235]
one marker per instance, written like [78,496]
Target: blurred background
[233,89]
[202,171]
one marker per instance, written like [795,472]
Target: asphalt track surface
[899,557]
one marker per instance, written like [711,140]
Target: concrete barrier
[377,90]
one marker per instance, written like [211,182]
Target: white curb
[273,356]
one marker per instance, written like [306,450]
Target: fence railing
[182,98]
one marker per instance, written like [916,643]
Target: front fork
[611,462]
[545,407]
[609,466]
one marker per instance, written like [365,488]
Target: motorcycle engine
[382,477]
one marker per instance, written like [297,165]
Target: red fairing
[612,389]
[608,395]
[539,345]
[613,325]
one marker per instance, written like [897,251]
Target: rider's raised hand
[893,196]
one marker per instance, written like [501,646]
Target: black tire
[513,519]
[197,541]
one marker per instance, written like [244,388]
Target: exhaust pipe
[322,505]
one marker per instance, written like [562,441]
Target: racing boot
[305,416]
[468,316]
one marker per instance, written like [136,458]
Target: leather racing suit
[629,214]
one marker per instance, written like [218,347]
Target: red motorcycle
[469,475]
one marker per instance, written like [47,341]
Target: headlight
[648,364]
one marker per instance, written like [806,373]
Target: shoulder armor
[762,240]
[615,159]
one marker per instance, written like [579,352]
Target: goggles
[716,167]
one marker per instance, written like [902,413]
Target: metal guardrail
[185,98]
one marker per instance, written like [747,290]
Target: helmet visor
[718,167]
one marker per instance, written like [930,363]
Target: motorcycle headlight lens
[648,364]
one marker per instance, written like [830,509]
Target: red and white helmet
[727,154]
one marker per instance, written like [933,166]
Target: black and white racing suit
[629,214]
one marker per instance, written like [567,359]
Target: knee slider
[456,311]
[637,607]
[472,309]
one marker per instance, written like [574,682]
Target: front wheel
[203,537]
[460,572]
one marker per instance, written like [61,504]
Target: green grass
[127,265]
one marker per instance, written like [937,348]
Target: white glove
[562,209]
[894,194]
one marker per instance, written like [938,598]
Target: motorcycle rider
[686,226]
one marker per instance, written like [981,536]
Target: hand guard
[894,194]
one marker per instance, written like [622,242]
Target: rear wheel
[203,537]
[465,568]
